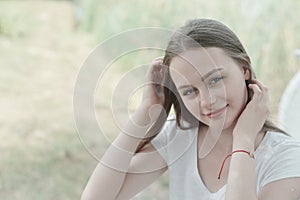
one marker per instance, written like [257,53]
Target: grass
[267,30]
[41,54]
[42,157]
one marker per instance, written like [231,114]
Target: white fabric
[277,157]
[289,107]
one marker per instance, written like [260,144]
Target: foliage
[41,53]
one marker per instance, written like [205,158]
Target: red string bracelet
[236,151]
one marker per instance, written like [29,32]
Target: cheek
[237,93]
[221,92]
[192,105]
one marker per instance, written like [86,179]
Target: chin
[221,123]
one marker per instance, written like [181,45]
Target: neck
[212,141]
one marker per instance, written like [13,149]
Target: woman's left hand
[253,116]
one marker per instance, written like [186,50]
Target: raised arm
[242,178]
[122,173]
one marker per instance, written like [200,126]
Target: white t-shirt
[277,157]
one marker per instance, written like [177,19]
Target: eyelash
[188,91]
[212,81]
[216,79]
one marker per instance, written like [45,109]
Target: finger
[157,77]
[260,84]
[257,92]
[157,61]
[264,89]
[154,66]
[157,65]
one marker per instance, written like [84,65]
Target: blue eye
[188,91]
[215,80]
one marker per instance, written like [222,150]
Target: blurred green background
[44,43]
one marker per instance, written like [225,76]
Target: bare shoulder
[288,189]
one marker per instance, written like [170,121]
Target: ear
[247,73]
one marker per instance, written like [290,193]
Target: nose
[207,98]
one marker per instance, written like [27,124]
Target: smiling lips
[216,113]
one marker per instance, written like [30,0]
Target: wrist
[141,116]
[149,112]
[244,142]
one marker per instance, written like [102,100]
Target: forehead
[200,61]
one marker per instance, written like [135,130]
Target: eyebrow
[204,77]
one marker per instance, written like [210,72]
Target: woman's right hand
[153,94]
[153,91]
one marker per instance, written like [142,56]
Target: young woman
[219,144]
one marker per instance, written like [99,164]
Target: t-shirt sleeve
[162,140]
[284,162]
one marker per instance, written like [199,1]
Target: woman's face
[211,84]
